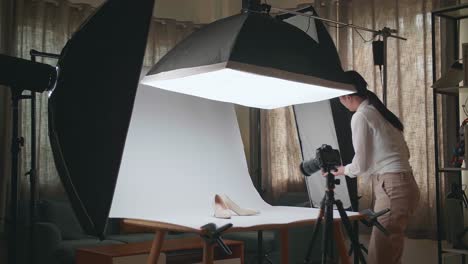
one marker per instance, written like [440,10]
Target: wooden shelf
[452,169]
[451,90]
[456,12]
[453,250]
[447,248]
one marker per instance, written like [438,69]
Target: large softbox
[251,59]
[90,108]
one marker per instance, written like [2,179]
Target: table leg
[208,253]
[156,247]
[340,243]
[284,235]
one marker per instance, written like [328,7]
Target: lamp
[251,59]
[21,74]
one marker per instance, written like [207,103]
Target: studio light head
[26,75]
[325,158]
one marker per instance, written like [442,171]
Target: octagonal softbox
[253,60]
[91,106]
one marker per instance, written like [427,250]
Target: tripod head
[331,178]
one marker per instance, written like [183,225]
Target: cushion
[61,214]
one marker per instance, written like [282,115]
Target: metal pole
[385,33]
[385,71]
[16,144]
[32,172]
[436,145]
[377,32]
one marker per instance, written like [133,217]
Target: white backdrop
[180,151]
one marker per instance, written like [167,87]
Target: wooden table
[162,228]
[109,254]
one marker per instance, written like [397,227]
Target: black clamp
[371,219]
[457,193]
[212,235]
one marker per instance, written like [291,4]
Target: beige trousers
[400,193]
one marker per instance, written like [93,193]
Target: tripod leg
[314,235]
[353,237]
[327,256]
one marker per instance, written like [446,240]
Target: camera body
[326,158]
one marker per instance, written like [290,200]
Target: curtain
[281,154]
[6,33]
[409,95]
[46,25]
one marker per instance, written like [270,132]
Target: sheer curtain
[6,33]
[409,94]
[281,154]
[46,25]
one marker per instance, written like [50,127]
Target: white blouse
[379,147]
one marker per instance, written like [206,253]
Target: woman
[381,156]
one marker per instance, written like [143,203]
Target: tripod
[326,211]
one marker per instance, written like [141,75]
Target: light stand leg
[156,247]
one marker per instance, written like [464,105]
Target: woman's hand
[339,171]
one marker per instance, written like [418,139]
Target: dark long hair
[361,88]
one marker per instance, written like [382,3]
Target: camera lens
[310,167]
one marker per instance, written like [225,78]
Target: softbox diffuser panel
[90,108]
[336,116]
[316,127]
[242,56]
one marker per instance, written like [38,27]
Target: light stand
[33,171]
[16,144]
[41,78]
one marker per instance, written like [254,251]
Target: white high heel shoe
[220,208]
[236,208]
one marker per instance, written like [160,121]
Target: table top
[171,227]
